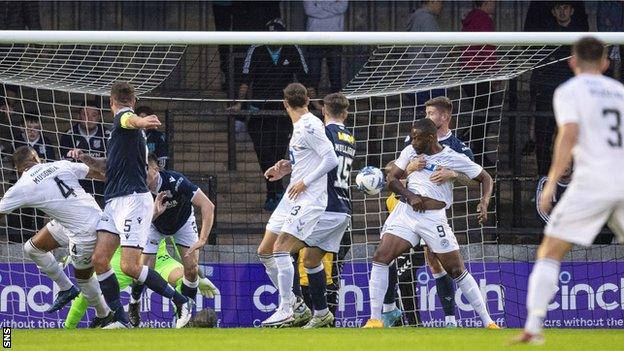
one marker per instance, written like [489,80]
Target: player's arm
[129,120]
[279,170]
[444,175]
[398,187]
[487,185]
[97,165]
[567,135]
[248,67]
[207,210]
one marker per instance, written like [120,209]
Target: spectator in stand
[610,18]
[545,80]
[30,134]
[156,140]
[8,120]
[266,72]
[325,16]
[90,136]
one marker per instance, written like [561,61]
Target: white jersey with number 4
[419,182]
[54,189]
[307,144]
[596,103]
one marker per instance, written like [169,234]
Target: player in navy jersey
[562,186]
[439,110]
[174,216]
[156,140]
[129,205]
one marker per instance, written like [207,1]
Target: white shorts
[185,236]
[80,245]
[328,232]
[297,218]
[129,217]
[431,226]
[581,213]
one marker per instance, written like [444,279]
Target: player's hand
[296,189]
[482,210]
[273,174]
[545,200]
[207,288]
[198,245]
[150,122]
[416,202]
[283,166]
[442,175]
[235,108]
[159,206]
[416,164]
[76,154]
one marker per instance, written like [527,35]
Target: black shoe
[63,298]
[133,313]
[98,322]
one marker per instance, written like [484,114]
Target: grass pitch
[303,340]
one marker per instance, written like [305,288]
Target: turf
[303,340]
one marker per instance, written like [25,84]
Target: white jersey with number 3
[596,104]
[307,144]
[54,189]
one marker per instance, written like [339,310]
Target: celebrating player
[312,156]
[174,216]
[54,189]
[129,206]
[589,110]
[168,268]
[411,220]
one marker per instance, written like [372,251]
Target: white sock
[189,283]
[470,289]
[48,265]
[377,287]
[270,267]
[388,307]
[90,289]
[285,275]
[542,289]
[438,275]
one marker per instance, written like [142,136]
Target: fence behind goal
[219,150]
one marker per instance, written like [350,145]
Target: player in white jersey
[54,189]
[312,156]
[412,220]
[589,109]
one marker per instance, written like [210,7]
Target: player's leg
[190,281]
[148,258]
[38,250]
[105,247]
[444,286]
[390,298]
[265,254]
[315,270]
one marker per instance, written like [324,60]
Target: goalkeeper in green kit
[170,269]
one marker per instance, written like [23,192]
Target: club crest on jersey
[97,143]
[308,128]
[430,167]
[286,62]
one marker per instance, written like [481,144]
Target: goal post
[47,77]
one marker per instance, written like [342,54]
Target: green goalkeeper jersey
[164,265]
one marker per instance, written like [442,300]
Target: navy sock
[446,294]
[318,290]
[137,290]
[296,282]
[391,292]
[155,282]
[110,290]
[189,292]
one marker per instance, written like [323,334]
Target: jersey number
[441,231]
[616,128]
[66,191]
[343,172]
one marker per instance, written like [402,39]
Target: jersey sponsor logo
[177,186]
[346,138]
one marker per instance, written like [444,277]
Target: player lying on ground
[440,111]
[589,110]
[168,268]
[411,220]
[312,156]
[54,189]
[174,217]
[129,206]
[327,234]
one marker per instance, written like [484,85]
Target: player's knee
[455,271]
[191,272]
[383,255]
[131,269]
[311,261]
[100,262]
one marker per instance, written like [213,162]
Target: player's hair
[441,102]
[336,104]
[152,158]
[590,50]
[144,109]
[296,95]
[425,125]
[23,154]
[123,94]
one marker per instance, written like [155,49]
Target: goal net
[56,95]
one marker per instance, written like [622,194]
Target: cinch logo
[605,296]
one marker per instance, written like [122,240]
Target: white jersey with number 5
[596,103]
[307,144]
[54,189]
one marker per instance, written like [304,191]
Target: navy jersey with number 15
[338,178]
